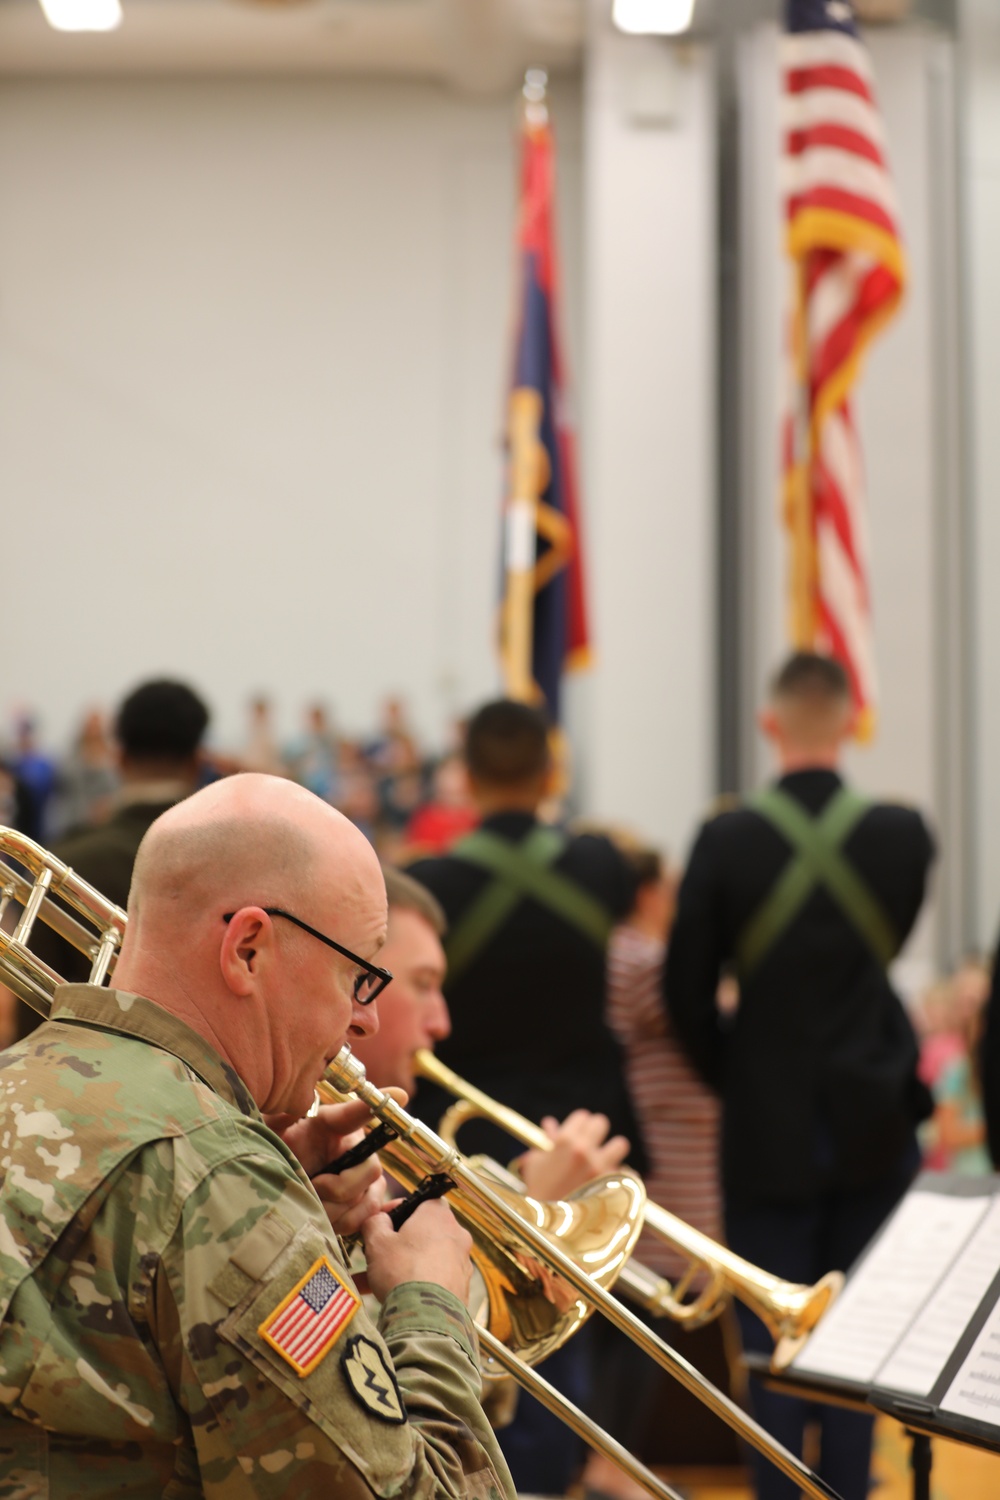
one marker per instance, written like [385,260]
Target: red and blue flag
[543,614]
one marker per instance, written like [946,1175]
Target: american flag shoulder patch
[309,1320]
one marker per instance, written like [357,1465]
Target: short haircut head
[811,679]
[507,743]
[406,894]
[646,866]
[161,720]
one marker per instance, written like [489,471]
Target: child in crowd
[679,1119]
[950,1021]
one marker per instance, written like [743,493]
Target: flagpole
[804,568]
[520,542]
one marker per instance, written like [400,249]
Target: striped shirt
[678,1115]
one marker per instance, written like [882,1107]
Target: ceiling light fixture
[83,15]
[652,17]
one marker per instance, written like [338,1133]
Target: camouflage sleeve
[288,1386]
[432,1340]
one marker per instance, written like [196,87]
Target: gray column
[649,428]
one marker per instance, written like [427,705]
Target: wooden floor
[959,1472]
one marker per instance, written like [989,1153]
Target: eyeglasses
[367,986]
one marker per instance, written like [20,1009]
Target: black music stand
[856,1398]
[916,1332]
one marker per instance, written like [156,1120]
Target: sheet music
[923,1352]
[975,1391]
[923,1238]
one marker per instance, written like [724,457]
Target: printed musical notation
[975,1391]
[884,1300]
[923,1352]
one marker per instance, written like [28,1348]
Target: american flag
[848,274]
[308,1321]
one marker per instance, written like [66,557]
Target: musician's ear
[246,941]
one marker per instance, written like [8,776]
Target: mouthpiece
[346,1073]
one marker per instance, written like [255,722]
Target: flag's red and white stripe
[309,1321]
[848,278]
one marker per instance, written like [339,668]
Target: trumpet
[417,1155]
[788,1310]
[526,1244]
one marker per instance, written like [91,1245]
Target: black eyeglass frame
[383,976]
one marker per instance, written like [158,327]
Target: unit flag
[543,621]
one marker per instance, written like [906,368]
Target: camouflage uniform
[151,1230]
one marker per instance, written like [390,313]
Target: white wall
[907,444]
[649,429]
[981,162]
[254,341]
[254,346]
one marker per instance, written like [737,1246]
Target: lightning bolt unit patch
[371,1381]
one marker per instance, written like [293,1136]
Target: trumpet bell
[789,1311]
[795,1311]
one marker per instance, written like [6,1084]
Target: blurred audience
[313,760]
[18,808]
[950,1020]
[358,798]
[989,1064]
[401,776]
[679,1119]
[678,1114]
[159,729]
[88,777]
[261,750]
[448,814]
[36,771]
[393,751]
[407,802]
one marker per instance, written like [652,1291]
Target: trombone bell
[521,1302]
[527,1307]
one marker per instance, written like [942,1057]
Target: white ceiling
[480,46]
[475,46]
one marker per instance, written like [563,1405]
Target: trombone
[789,1311]
[418,1156]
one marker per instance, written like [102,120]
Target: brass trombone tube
[65,882]
[475,1200]
[31,906]
[582,1425]
[787,1310]
[28,976]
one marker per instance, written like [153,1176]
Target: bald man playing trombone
[177,1313]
